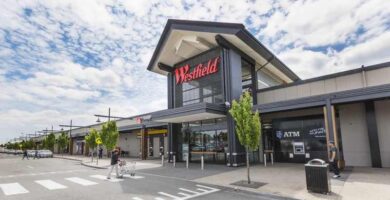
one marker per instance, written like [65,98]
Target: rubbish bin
[317,179]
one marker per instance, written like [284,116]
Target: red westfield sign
[201,70]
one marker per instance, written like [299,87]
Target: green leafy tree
[90,139]
[247,125]
[62,142]
[109,135]
[50,140]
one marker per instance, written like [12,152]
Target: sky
[63,60]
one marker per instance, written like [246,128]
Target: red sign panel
[183,73]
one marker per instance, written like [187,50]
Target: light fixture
[98,120]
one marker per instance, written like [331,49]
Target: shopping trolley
[127,168]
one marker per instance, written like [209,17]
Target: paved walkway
[105,162]
[289,180]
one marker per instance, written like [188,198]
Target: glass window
[208,88]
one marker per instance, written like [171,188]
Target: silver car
[45,154]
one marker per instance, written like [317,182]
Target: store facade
[209,64]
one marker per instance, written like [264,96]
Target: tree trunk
[92,154]
[247,166]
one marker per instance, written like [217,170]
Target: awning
[188,113]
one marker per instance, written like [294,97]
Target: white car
[45,154]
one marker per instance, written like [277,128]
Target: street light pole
[109,113]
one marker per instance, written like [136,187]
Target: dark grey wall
[233,90]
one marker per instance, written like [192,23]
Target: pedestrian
[334,158]
[25,154]
[100,153]
[114,163]
[36,154]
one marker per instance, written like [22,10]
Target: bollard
[174,160]
[162,160]
[265,160]
[272,158]
[187,162]
[202,162]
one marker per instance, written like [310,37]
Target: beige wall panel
[291,92]
[295,113]
[330,85]
[303,90]
[129,142]
[354,135]
[349,82]
[378,77]
[382,110]
[268,96]
[317,88]
[280,94]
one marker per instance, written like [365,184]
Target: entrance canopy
[189,113]
[182,39]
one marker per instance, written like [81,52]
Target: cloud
[62,60]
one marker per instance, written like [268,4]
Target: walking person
[334,158]
[114,164]
[100,153]
[25,154]
[36,154]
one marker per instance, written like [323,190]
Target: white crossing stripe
[81,181]
[13,188]
[203,190]
[136,198]
[158,198]
[128,176]
[187,190]
[184,194]
[101,177]
[169,195]
[210,188]
[51,185]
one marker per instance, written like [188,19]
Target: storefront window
[207,138]
[207,88]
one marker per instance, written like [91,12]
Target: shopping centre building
[209,64]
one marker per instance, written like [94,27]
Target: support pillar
[372,131]
[144,143]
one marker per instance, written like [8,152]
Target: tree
[49,141]
[90,139]
[247,125]
[109,135]
[63,141]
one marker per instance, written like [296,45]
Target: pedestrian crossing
[9,189]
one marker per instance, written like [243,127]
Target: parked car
[45,154]
[31,153]
[18,152]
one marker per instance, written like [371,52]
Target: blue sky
[62,60]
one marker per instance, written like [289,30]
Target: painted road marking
[158,198]
[29,166]
[187,190]
[42,173]
[13,188]
[101,177]
[136,198]
[81,181]
[51,185]
[184,196]
[128,176]
[169,195]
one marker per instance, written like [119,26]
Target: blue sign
[279,134]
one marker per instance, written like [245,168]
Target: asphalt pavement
[59,179]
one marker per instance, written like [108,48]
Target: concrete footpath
[104,163]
